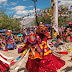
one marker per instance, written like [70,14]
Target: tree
[43,19]
[8,22]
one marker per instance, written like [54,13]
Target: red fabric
[47,33]
[71,38]
[4,67]
[62,29]
[13,62]
[6,50]
[49,63]
[3,58]
[45,39]
[33,65]
[62,52]
[64,34]
[57,41]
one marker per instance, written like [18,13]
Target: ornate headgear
[41,29]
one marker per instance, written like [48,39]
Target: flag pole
[54,9]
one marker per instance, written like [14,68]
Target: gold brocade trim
[23,45]
[45,46]
[47,52]
[36,57]
[41,46]
[44,42]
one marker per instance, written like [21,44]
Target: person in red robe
[48,62]
[41,58]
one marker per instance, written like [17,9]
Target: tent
[19,35]
[47,25]
[69,22]
[2,30]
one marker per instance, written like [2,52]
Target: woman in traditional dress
[68,35]
[10,43]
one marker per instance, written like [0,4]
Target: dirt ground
[22,68]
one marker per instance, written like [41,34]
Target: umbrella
[19,35]
[54,40]
[48,25]
[69,22]
[2,30]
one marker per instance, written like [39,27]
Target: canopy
[2,30]
[69,22]
[54,40]
[48,25]
[19,35]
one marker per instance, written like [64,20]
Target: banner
[62,11]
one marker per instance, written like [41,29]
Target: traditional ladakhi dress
[40,57]
[10,43]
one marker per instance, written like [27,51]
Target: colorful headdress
[41,29]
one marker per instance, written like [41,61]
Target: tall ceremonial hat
[41,28]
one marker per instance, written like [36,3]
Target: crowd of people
[35,40]
[66,33]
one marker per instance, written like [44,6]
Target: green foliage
[64,20]
[8,22]
[43,19]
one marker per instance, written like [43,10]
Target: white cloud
[31,6]
[16,16]
[37,9]
[13,3]
[65,2]
[5,3]
[2,1]
[24,12]
[31,11]
[19,8]
[20,12]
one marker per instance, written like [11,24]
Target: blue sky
[22,7]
